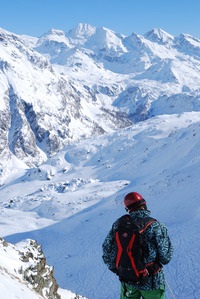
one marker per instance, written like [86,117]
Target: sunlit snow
[69,202]
[71,211]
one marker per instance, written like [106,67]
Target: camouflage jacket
[158,247]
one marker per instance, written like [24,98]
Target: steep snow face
[160,36]
[11,288]
[106,40]
[189,45]
[81,33]
[52,43]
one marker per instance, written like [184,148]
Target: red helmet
[133,200]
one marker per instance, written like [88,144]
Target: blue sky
[36,17]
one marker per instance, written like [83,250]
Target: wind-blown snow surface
[69,204]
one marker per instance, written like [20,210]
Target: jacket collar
[140,214]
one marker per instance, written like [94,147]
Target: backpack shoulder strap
[144,223]
[125,217]
[141,224]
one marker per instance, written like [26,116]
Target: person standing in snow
[158,249]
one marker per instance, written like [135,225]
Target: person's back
[157,251]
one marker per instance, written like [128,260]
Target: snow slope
[70,202]
[11,288]
[18,264]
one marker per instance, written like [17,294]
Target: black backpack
[130,242]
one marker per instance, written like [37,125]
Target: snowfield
[69,203]
[86,117]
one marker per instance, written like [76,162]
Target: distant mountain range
[63,87]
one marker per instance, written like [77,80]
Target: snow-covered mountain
[63,87]
[86,117]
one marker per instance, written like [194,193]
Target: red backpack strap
[148,222]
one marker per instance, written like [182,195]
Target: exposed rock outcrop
[30,267]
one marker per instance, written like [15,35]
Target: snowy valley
[86,117]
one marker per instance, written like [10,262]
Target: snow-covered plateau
[86,117]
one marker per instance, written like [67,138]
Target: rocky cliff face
[36,272]
[28,263]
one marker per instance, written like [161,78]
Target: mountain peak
[189,38]
[81,31]
[159,36]
[106,40]
[53,31]
[189,44]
